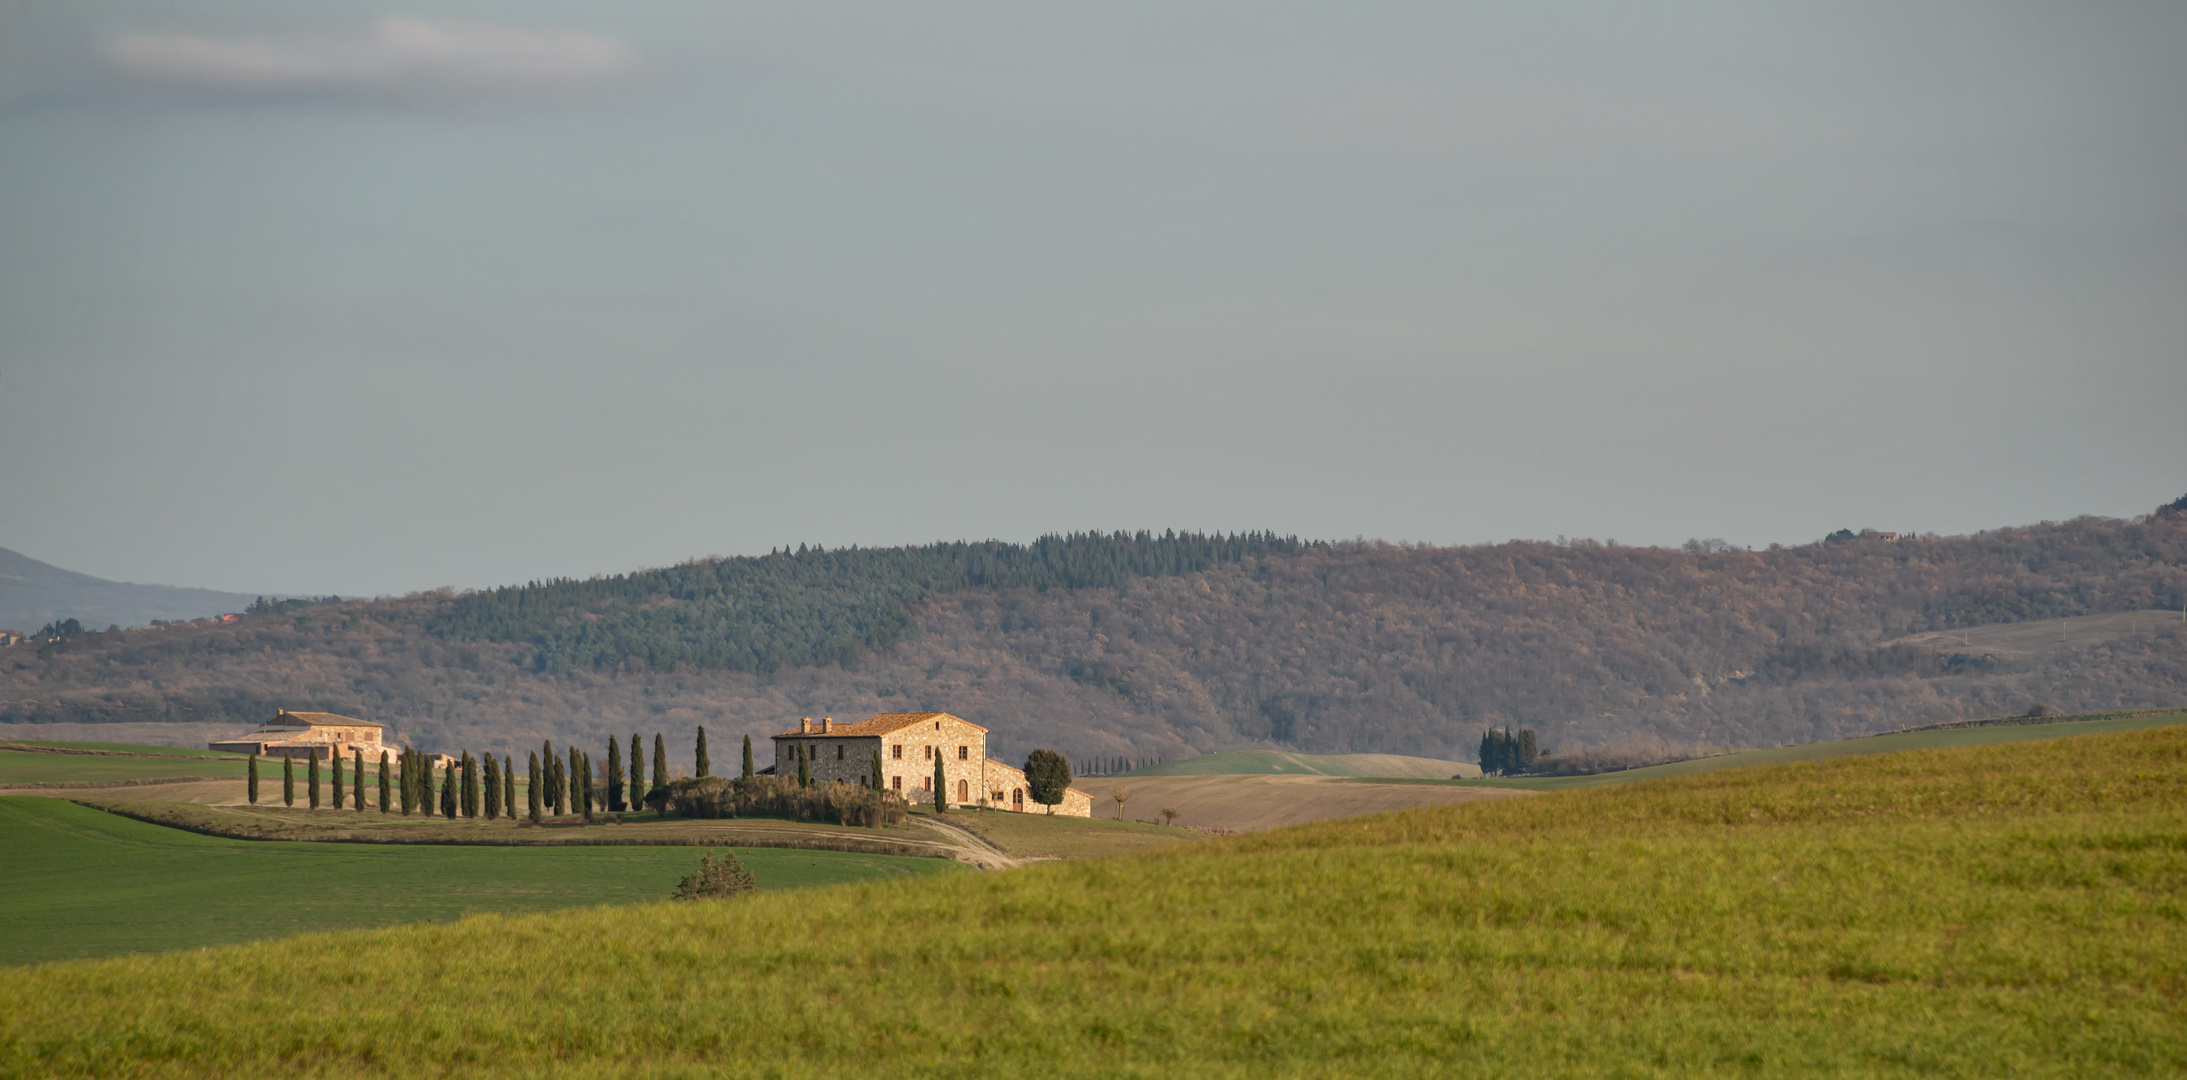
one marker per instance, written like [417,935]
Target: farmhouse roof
[875,725]
[319,719]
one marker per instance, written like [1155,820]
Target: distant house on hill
[908,744]
[307,734]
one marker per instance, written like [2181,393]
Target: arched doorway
[964,791]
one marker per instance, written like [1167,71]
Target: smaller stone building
[308,734]
[908,743]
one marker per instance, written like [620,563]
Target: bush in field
[781,797]
[716,879]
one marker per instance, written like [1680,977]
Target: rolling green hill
[1257,762]
[81,882]
[1980,911]
[1874,744]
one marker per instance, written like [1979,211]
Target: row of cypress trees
[485,786]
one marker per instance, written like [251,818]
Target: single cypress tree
[337,783]
[615,776]
[804,769]
[706,766]
[508,786]
[311,786]
[591,793]
[288,780]
[448,781]
[941,786]
[660,763]
[471,791]
[494,805]
[877,781]
[577,781]
[533,783]
[747,757]
[252,782]
[356,767]
[408,781]
[383,782]
[637,772]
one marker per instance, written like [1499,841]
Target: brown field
[2044,636]
[1244,803]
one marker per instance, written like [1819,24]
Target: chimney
[805,725]
[827,723]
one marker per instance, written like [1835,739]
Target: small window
[896,751]
[896,783]
[964,753]
[926,753]
[839,752]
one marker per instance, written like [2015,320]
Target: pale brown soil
[1244,803]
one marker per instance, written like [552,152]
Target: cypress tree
[706,766]
[252,782]
[941,785]
[577,780]
[448,792]
[471,791]
[551,772]
[615,776]
[591,793]
[337,760]
[288,780]
[804,769]
[508,786]
[383,782]
[408,781]
[660,762]
[747,757]
[356,790]
[534,781]
[877,781]
[637,772]
[311,777]
[493,787]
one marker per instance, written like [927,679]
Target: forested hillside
[1168,646]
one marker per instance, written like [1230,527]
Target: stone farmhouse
[908,744]
[308,734]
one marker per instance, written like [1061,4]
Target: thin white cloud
[394,58]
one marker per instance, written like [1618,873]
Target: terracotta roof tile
[878,725]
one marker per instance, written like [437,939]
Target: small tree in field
[706,765]
[251,782]
[1169,815]
[716,879]
[1046,777]
[747,757]
[941,786]
[337,783]
[384,786]
[1121,795]
[311,775]
[288,780]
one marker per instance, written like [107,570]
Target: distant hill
[1282,763]
[33,594]
[1173,646]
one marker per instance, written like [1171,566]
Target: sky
[312,297]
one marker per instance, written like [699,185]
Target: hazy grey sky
[312,297]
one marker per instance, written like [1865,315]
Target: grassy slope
[1044,836]
[1255,762]
[2004,910]
[85,883]
[125,748]
[24,767]
[1874,744]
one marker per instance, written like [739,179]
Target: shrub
[716,880]
[780,797]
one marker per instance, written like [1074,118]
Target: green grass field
[81,882]
[1873,744]
[2009,910]
[126,748]
[25,767]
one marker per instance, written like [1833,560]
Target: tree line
[811,606]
